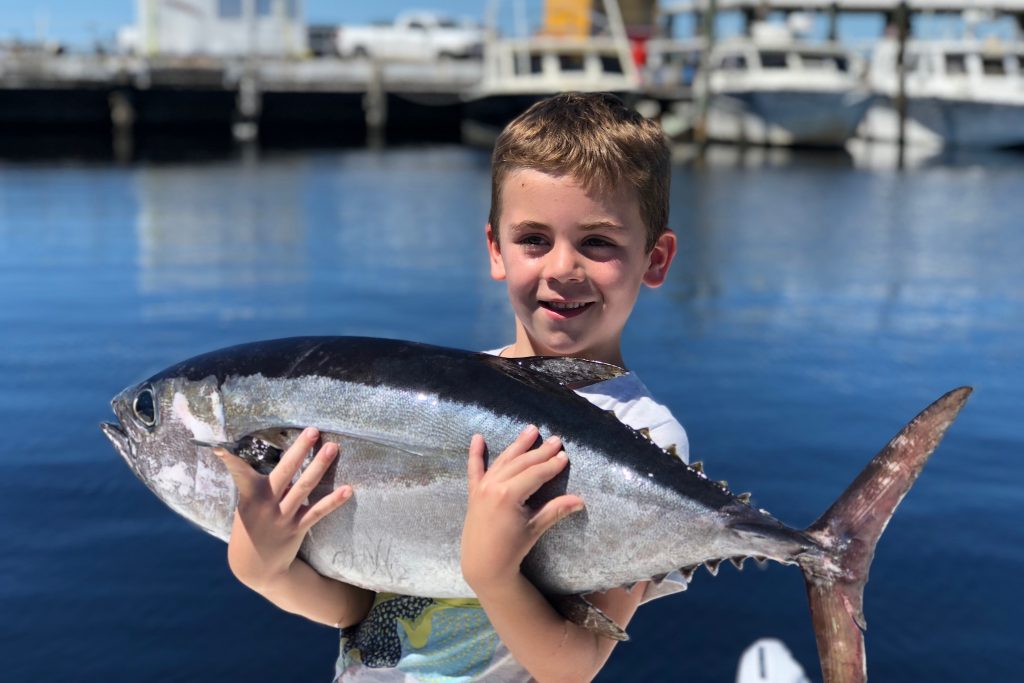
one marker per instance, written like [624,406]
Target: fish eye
[144,407]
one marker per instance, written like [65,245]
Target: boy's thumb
[553,512]
[240,472]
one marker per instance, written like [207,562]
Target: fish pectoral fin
[581,612]
[571,373]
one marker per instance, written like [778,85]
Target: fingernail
[345,491]
[553,439]
[309,433]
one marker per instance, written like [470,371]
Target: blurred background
[180,175]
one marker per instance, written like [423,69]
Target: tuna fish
[403,414]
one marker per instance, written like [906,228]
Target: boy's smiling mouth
[566,309]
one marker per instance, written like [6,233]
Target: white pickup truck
[414,36]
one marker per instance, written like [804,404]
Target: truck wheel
[360,52]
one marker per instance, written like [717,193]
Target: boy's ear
[494,252]
[660,259]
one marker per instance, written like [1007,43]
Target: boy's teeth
[562,306]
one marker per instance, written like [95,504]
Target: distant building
[216,27]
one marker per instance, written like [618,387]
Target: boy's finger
[475,463]
[528,481]
[282,474]
[542,453]
[244,476]
[295,497]
[552,512]
[523,443]
[325,506]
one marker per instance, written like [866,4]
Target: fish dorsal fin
[571,373]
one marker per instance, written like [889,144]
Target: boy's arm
[499,531]
[272,519]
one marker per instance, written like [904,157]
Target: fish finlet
[712,566]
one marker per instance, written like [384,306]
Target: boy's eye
[532,240]
[598,242]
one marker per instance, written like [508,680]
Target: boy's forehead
[540,187]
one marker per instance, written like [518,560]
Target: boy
[578,224]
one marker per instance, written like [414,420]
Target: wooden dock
[326,97]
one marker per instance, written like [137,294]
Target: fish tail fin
[849,530]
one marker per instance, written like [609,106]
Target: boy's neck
[524,346]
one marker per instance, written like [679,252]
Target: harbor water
[816,305]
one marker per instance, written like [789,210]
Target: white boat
[519,70]
[959,93]
[772,88]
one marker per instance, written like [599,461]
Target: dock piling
[375,105]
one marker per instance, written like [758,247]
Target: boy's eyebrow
[596,225]
[526,225]
[602,225]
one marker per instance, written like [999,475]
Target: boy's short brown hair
[596,139]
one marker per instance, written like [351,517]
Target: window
[229,9]
[570,62]
[956,64]
[993,66]
[773,60]
[611,65]
[264,8]
[733,63]
[293,9]
[522,67]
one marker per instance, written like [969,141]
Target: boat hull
[786,117]
[938,121]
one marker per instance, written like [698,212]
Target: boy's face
[574,261]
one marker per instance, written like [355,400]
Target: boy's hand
[499,529]
[272,516]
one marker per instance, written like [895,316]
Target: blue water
[814,308]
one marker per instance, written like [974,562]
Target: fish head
[166,427]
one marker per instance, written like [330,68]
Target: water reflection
[864,254]
[258,237]
[203,230]
[888,156]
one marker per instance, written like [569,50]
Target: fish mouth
[118,437]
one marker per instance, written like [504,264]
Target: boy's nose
[564,264]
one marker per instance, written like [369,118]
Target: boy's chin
[563,346]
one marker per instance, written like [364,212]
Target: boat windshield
[821,60]
[773,59]
[732,62]
[993,66]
